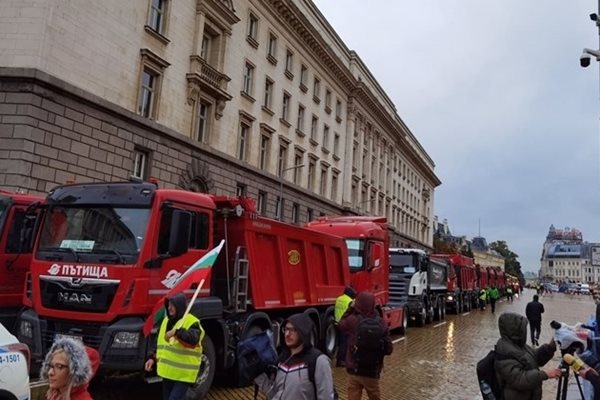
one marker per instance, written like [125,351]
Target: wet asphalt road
[434,362]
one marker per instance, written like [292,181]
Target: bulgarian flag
[196,273]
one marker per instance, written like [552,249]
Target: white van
[14,367]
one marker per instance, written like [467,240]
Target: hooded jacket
[517,364]
[292,382]
[364,307]
[83,365]
[191,336]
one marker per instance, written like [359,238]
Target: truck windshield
[4,203]
[356,254]
[402,263]
[77,231]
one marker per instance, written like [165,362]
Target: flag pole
[189,307]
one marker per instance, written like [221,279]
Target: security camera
[584,60]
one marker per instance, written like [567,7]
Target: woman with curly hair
[69,367]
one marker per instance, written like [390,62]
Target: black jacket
[534,311]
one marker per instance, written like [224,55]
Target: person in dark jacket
[517,364]
[292,380]
[534,311]
[363,307]
[179,350]
[341,306]
[69,366]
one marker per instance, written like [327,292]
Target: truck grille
[399,283]
[87,297]
[90,334]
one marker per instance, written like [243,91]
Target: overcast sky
[494,92]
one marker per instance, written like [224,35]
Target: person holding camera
[517,364]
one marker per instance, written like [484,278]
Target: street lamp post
[280,205]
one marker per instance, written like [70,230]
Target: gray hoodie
[291,382]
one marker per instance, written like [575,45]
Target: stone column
[348,158]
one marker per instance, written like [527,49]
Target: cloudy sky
[494,92]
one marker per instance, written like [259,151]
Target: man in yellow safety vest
[178,351]
[341,305]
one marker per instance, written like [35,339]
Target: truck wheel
[329,344]
[404,326]
[206,373]
[429,315]
[422,317]
[442,308]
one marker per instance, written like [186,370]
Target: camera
[584,60]
[566,338]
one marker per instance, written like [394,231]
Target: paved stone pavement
[434,362]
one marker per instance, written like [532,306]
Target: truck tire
[404,326]
[329,343]
[429,314]
[443,308]
[206,374]
[422,317]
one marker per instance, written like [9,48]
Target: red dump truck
[106,252]
[16,234]
[462,282]
[367,240]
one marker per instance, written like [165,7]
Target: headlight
[26,329]
[126,340]
[450,298]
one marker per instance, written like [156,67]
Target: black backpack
[254,355]
[367,354]
[486,376]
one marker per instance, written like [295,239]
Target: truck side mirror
[179,237]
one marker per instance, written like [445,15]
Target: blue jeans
[173,390]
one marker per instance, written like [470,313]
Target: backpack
[367,354]
[312,366]
[254,355]
[486,376]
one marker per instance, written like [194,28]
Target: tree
[511,264]
[466,251]
[441,246]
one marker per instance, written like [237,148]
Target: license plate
[59,336]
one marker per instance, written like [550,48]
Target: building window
[202,124]
[282,160]
[334,184]
[328,100]
[336,144]
[157,17]
[314,127]
[297,161]
[268,93]
[338,110]
[205,50]
[140,164]
[148,91]
[265,142]
[311,174]
[303,77]
[261,205]
[296,213]
[325,135]
[300,122]
[240,190]
[243,141]
[323,182]
[272,48]
[289,64]
[317,90]
[309,214]
[248,79]
[285,106]
[253,30]
[279,209]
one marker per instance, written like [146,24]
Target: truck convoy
[16,234]
[462,282]
[428,283]
[106,253]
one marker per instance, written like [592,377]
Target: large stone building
[567,258]
[260,98]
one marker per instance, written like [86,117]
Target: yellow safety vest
[341,305]
[482,294]
[176,361]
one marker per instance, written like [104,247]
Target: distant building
[441,231]
[567,258]
[484,255]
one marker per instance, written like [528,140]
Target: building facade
[566,257]
[259,98]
